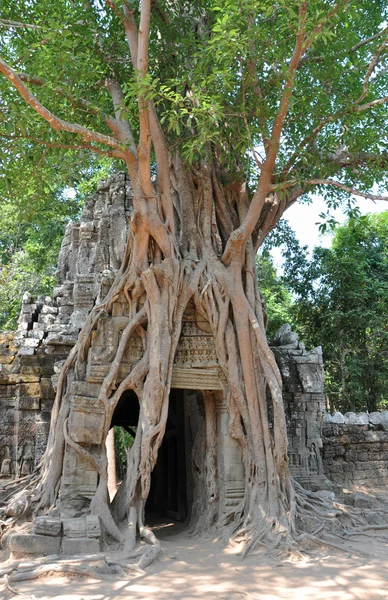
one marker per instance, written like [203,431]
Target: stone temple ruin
[31,358]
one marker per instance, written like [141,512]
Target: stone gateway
[31,361]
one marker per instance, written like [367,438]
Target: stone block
[28,309]
[75,528]
[84,388]
[86,420]
[33,543]
[93,527]
[338,418]
[82,527]
[46,388]
[80,546]
[6,359]
[24,351]
[48,526]
[375,418]
[49,310]
[29,389]
[372,436]
[28,403]
[46,405]
[78,474]
[28,378]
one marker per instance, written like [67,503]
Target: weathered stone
[72,546]
[375,418]
[82,527]
[24,351]
[28,403]
[75,528]
[93,527]
[33,543]
[86,420]
[48,526]
[49,310]
[286,337]
[338,418]
[350,417]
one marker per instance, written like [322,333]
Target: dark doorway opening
[168,493]
[126,413]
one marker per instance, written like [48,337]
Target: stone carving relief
[6,462]
[302,376]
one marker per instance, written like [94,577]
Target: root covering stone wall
[31,357]
[355,449]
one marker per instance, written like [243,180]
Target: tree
[30,240]
[277,297]
[224,114]
[341,302]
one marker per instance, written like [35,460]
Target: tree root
[107,568]
[8,585]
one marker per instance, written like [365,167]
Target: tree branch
[117,96]
[239,237]
[54,121]
[330,119]
[118,126]
[371,67]
[299,50]
[371,104]
[109,153]
[345,188]
[17,25]
[368,40]
[163,181]
[318,28]
[144,149]
[361,159]
[341,186]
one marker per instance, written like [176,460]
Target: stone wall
[31,357]
[355,448]
[304,403]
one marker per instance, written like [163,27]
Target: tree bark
[111,457]
[163,269]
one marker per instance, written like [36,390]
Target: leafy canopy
[220,72]
[341,302]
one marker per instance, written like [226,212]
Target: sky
[303,219]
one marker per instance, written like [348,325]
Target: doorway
[168,493]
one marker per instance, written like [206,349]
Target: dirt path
[203,569]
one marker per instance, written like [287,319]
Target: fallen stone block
[21,543]
[80,545]
[48,526]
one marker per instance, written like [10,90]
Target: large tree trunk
[157,289]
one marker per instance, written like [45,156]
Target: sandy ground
[189,569]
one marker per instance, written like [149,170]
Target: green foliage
[123,441]
[278,299]
[30,239]
[341,303]
[31,232]
[217,73]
